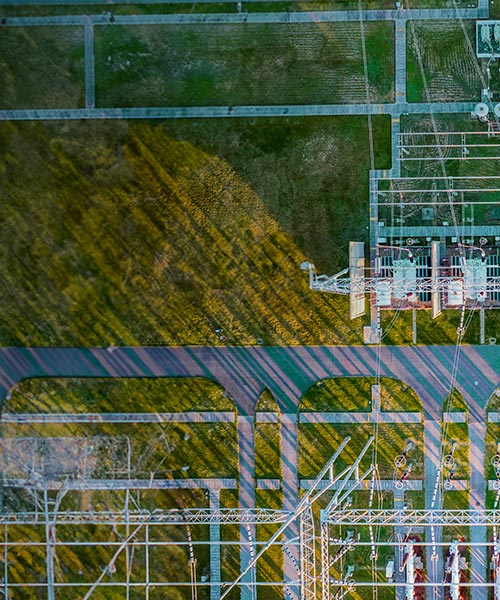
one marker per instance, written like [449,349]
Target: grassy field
[365,570]
[355,394]
[267,450]
[494,400]
[224,64]
[449,62]
[142,234]
[41,67]
[154,450]
[457,433]
[492,440]
[118,395]
[166,450]
[318,441]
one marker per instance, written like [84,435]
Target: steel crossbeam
[414,518]
[202,516]
[307,555]
[345,285]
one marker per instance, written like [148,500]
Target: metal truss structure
[325,542]
[158,517]
[414,518]
[340,284]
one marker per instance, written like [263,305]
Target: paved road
[203,112]
[290,487]
[285,17]
[400,60]
[246,450]
[89,64]
[477,496]
[245,372]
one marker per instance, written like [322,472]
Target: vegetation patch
[233,64]
[456,442]
[270,566]
[317,442]
[493,403]
[41,67]
[267,403]
[169,395]
[354,394]
[267,451]
[492,449]
[162,450]
[85,564]
[446,50]
[128,233]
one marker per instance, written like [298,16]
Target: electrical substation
[406,507]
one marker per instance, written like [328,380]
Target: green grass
[41,67]
[494,401]
[317,442]
[129,233]
[85,563]
[415,500]
[458,432]
[339,394]
[492,440]
[266,403]
[449,64]
[233,64]
[455,403]
[455,500]
[354,394]
[164,451]
[118,395]
[267,450]
[442,330]
[270,566]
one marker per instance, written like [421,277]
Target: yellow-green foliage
[344,394]
[117,233]
[162,450]
[266,403]
[121,233]
[118,395]
[338,395]
[317,442]
[457,433]
[267,450]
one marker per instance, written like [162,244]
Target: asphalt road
[288,372]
